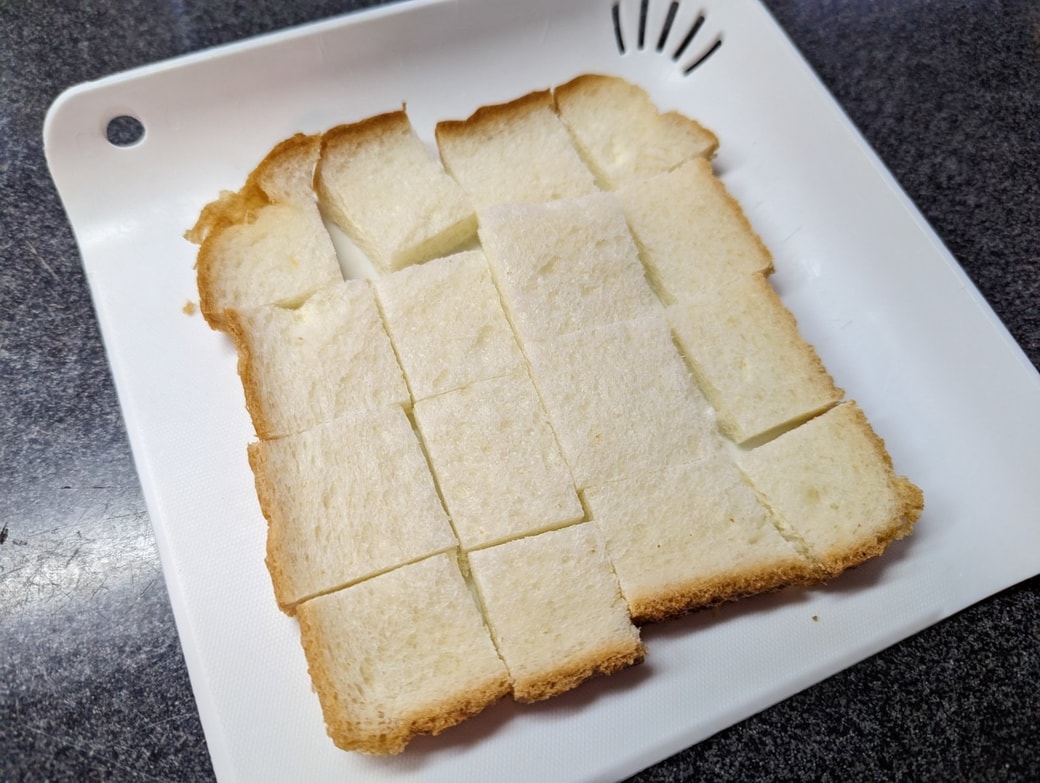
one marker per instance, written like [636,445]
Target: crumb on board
[189,308]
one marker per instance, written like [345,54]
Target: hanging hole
[124,131]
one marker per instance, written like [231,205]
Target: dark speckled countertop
[92,680]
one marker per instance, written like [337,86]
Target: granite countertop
[93,684]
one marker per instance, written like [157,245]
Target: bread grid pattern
[570,403]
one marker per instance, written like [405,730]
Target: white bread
[516,152]
[620,133]
[748,357]
[496,461]
[265,244]
[378,182]
[555,610]
[621,401]
[404,653]
[447,324]
[565,265]
[328,357]
[689,536]
[345,500]
[692,234]
[830,484]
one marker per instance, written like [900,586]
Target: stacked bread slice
[568,401]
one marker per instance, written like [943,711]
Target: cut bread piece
[692,234]
[330,356]
[401,654]
[620,133]
[555,610]
[830,482]
[566,265]
[265,244]
[689,536]
[346,500]
[516,152]
[621,400]
[749,359]
[496,461]
[378,181]
[447,324]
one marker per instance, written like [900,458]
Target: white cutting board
[893,316]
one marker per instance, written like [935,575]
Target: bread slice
[378,182]
[692,234]
[749,359]
[306,365]
[516,152]
[346,500]
[555,610]
[496,461]
[830,483]
[620,133]
[621,401]
[265,244]
[447,323]
[689,536]
[401,654]
[565,265]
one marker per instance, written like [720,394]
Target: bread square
[830,483]
[621,135]
[555,610]
[403,653]
[748,357]
[496,461]
[621,400]
[515,152]
[345,500]
[447,323]
[689,536]
[692,234]
[566,265]
[305,365]
[379,182]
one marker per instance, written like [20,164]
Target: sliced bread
[748,357]
[565,265]
[346,500]
[496,461]
[620,133]
[692,234]
[555,610]
[384,188]
[621,401]
[690,536]
[447,323]
[265,244]
[402,654]
[830,484]
[303,366]
[516,152]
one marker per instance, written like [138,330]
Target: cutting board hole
[124,131]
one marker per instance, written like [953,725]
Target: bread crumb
[815,618]
[189,308]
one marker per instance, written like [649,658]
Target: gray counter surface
[92,680]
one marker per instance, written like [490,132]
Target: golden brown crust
[701,594]
[565,678]
[488,119]
[233,324]
[352,135]
[348,733]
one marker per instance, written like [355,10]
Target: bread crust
[348,733]
[489,119]
[598,663]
